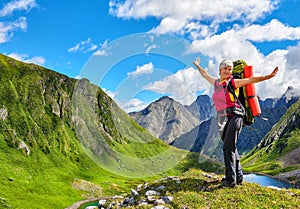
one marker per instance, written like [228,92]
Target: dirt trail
[81,202]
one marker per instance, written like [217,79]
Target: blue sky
[138,51]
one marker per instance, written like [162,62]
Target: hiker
[230,116]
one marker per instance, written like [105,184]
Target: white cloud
[169,25]
[134,105]
[7,28]
[175,15]
[87,46]
[200,21]
[141,70]
[183,86]
[149,48]
[101,53]
[84,46]
[293,58]
[111,94]
[274,30]
[39,60]
[236,44]
[78,77]
[103,50]
[131,106]
[17,5]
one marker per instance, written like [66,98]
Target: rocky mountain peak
[289,97]
[165,99]
[290,93]
[166,118]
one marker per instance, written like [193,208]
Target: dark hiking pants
[229,135]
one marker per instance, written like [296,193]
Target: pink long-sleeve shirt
[222,98]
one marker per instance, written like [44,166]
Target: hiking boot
[239,182]
[227,184]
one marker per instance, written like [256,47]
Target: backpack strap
[229,87]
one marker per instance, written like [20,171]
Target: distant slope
[202,108]
[204,139]
[279,152]
[272,110]
[56,130]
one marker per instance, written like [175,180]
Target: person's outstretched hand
[197,61]
[274,72]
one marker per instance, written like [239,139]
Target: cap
[226,62]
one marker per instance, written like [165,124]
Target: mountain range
[193,127]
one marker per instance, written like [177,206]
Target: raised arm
[203,72]
[255,79]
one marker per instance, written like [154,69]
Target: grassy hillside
[279,151]
[63,140]
[53,181]
[198,189]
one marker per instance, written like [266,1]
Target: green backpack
[238,72]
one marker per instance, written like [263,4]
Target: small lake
[266,181]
